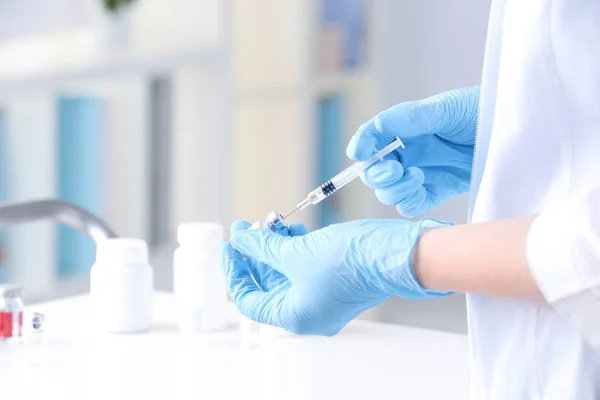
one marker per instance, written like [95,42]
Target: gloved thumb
[365,141]
[442,114]
[403,120]
[263,246]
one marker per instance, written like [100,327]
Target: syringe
[344,177]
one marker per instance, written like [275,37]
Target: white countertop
[367,360]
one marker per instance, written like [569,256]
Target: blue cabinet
[80,154]
[330,153]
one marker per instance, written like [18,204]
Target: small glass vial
[11,311]
[253,333]
[36,335]
[200,293]
[121,284]
[37,352]
[37,320]
[274,221]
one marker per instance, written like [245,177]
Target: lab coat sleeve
[563,250]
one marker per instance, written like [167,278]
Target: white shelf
[80,54]
[110,65]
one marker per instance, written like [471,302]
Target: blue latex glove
[318,282]
[266,278]
[439,134]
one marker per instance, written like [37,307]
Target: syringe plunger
[346,176]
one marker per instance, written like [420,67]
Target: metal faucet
[58,210]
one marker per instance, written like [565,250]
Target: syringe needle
[347,175]
[303,204]
[293,211]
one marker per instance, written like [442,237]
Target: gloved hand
[439,135]
[267,278]
[318,282]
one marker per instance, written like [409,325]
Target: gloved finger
[457,178]
[411,119]
[446,114]
[235,271]
[364,142]
[383,174]
[407,119]
[263,246]
[239,225]
[414,204]
[246,295]
[270,308]
[424,151]
[266,277]
[298,229]
[442,114]
[408,185]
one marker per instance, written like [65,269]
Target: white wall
[201,149]
[32,253]
[126,151]
[423,48]
[432,46]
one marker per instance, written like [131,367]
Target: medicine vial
[254,334]
[37,321]
[36,335]
[200,292]
[121,285]
[11,311]
[274,221]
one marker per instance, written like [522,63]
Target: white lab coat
[538,151]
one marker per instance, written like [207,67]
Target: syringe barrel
[353,171]
[347,175]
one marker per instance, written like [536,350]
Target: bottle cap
[122,250]
[204,234]
[10,291]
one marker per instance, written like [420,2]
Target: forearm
[485,258]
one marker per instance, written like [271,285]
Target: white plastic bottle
[121,285]
[200,294]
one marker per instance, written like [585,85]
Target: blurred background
[151,113]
